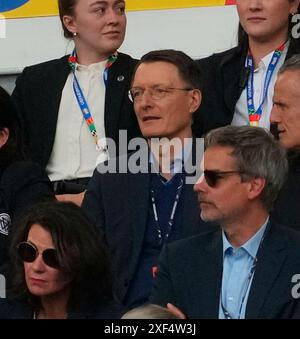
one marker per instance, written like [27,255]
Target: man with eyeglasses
[139,212]
[247,268]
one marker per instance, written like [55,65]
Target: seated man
[247,268]
[139,211]
[285,118]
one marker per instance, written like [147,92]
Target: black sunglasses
[28,253]
[212,177]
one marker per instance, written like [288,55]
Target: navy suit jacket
[118,204]
[190,276]
[37,98]
[15,309]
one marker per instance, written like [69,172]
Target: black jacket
[118,203]
[37,98]
[21,185]
[190,276]
[224,78]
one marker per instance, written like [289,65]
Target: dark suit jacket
[287,206]
[22,184]
[190,276]
[37,98]
[224,78]
[15,309]
[119,204]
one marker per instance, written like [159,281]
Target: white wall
[197,31]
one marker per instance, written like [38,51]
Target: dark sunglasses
[28,253]
[212,177]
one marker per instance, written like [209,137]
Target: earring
[74,34]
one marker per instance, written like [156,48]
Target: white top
[240,116]
[74,151]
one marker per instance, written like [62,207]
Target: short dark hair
[257,154]
[66,7]
[81,251]
[13,149]
[187,67]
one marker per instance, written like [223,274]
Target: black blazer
[15,309]
[22,184]
[190,276]
[224,78]
[118,204]
[37,98]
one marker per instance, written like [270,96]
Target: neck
[261,48]
[54,307]
[87,57]
[165,151]
[242,229]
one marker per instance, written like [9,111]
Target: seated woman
[60,267]
[22,183]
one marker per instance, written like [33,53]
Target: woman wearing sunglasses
[22,183]
[60,268]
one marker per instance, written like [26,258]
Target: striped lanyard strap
[83,105]
[255,115]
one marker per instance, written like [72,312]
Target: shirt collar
[265,61]
[252,245]
[94,68]
[176,165]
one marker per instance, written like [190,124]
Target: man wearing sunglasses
[247,268]
[140,212]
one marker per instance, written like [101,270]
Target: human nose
[112,17]
[38,264]
[200,184]
[255,4]
[275,115]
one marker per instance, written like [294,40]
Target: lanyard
[227,315]
[83,105]
[255,115]
[162,239]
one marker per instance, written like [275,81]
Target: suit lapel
[119,78]
[234,78]
[138,197]
[54,85]
[205,282]
[270,261]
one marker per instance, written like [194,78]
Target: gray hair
[257,154]
[149,311]
[292,64]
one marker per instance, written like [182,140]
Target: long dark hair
[13,149]
[81,253]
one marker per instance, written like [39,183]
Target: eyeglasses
[212,177]
[156,93]
[28,253]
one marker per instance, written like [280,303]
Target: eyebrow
[103,2]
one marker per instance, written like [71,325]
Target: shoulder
[125,58]
[219,58]
[283,235]
[46,67]
[22,171]
[12,309]
[197,243]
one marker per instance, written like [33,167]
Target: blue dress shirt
[237,278]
